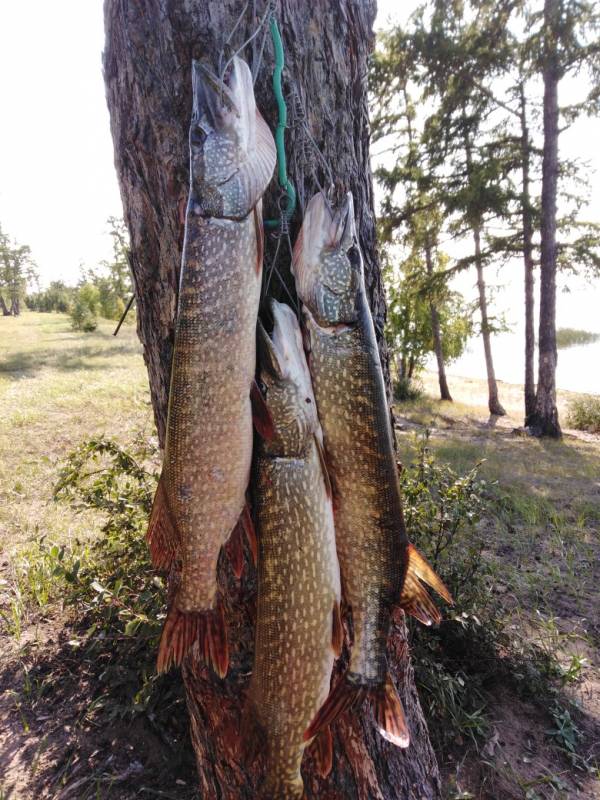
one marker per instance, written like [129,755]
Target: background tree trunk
[528,264]
[437,336]
[149,47]
[493,402]
[544,420]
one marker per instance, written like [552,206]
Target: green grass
[58,387]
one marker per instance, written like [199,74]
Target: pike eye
[262,386]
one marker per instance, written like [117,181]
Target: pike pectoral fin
[235,545]
[324,469]
[235,551]
[415,599]
[389,714]
[343,696]
[205,630]
[263,421]
[248,525]
[321,750]
[337,631]
[161,535]
[260,237]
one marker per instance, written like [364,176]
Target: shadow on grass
[81,357]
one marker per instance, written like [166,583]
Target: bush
[406,389]
[584,414]
[82,318]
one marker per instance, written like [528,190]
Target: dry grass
[58,387]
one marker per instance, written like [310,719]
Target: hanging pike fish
[298,627]
[201,493]
[379,567]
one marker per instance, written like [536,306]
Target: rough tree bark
[149,48]
[544,419]
[528,262]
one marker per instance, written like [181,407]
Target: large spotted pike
[298,626]
[379,567]
[208,449]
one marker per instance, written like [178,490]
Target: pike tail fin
[387,709]
[204,630]
[161,535]
[415,599]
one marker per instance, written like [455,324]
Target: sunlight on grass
[58,387]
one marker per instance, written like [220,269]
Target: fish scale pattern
[298,573]
[209,438]
[371,538]
[298,588]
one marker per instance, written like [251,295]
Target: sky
[57,180]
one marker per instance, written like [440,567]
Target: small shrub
[584,414]
[406,389]
[82,318]
[119,598]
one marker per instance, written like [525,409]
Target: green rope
[282,176]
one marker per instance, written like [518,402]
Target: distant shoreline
[474,392]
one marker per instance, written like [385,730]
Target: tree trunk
[528,263]
[149,47]
[493,401]
[544,419]
[15,307]
[437,336]
[4,308]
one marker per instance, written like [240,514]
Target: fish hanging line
[282,176]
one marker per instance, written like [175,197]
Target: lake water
[578,368]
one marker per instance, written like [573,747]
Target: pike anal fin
[321,750]
[384,699]
[235,546]
[161,535]
[204,630]
[415,599]
[389,714]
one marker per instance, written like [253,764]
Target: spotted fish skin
[209,436]
[298,573]
[373,547]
